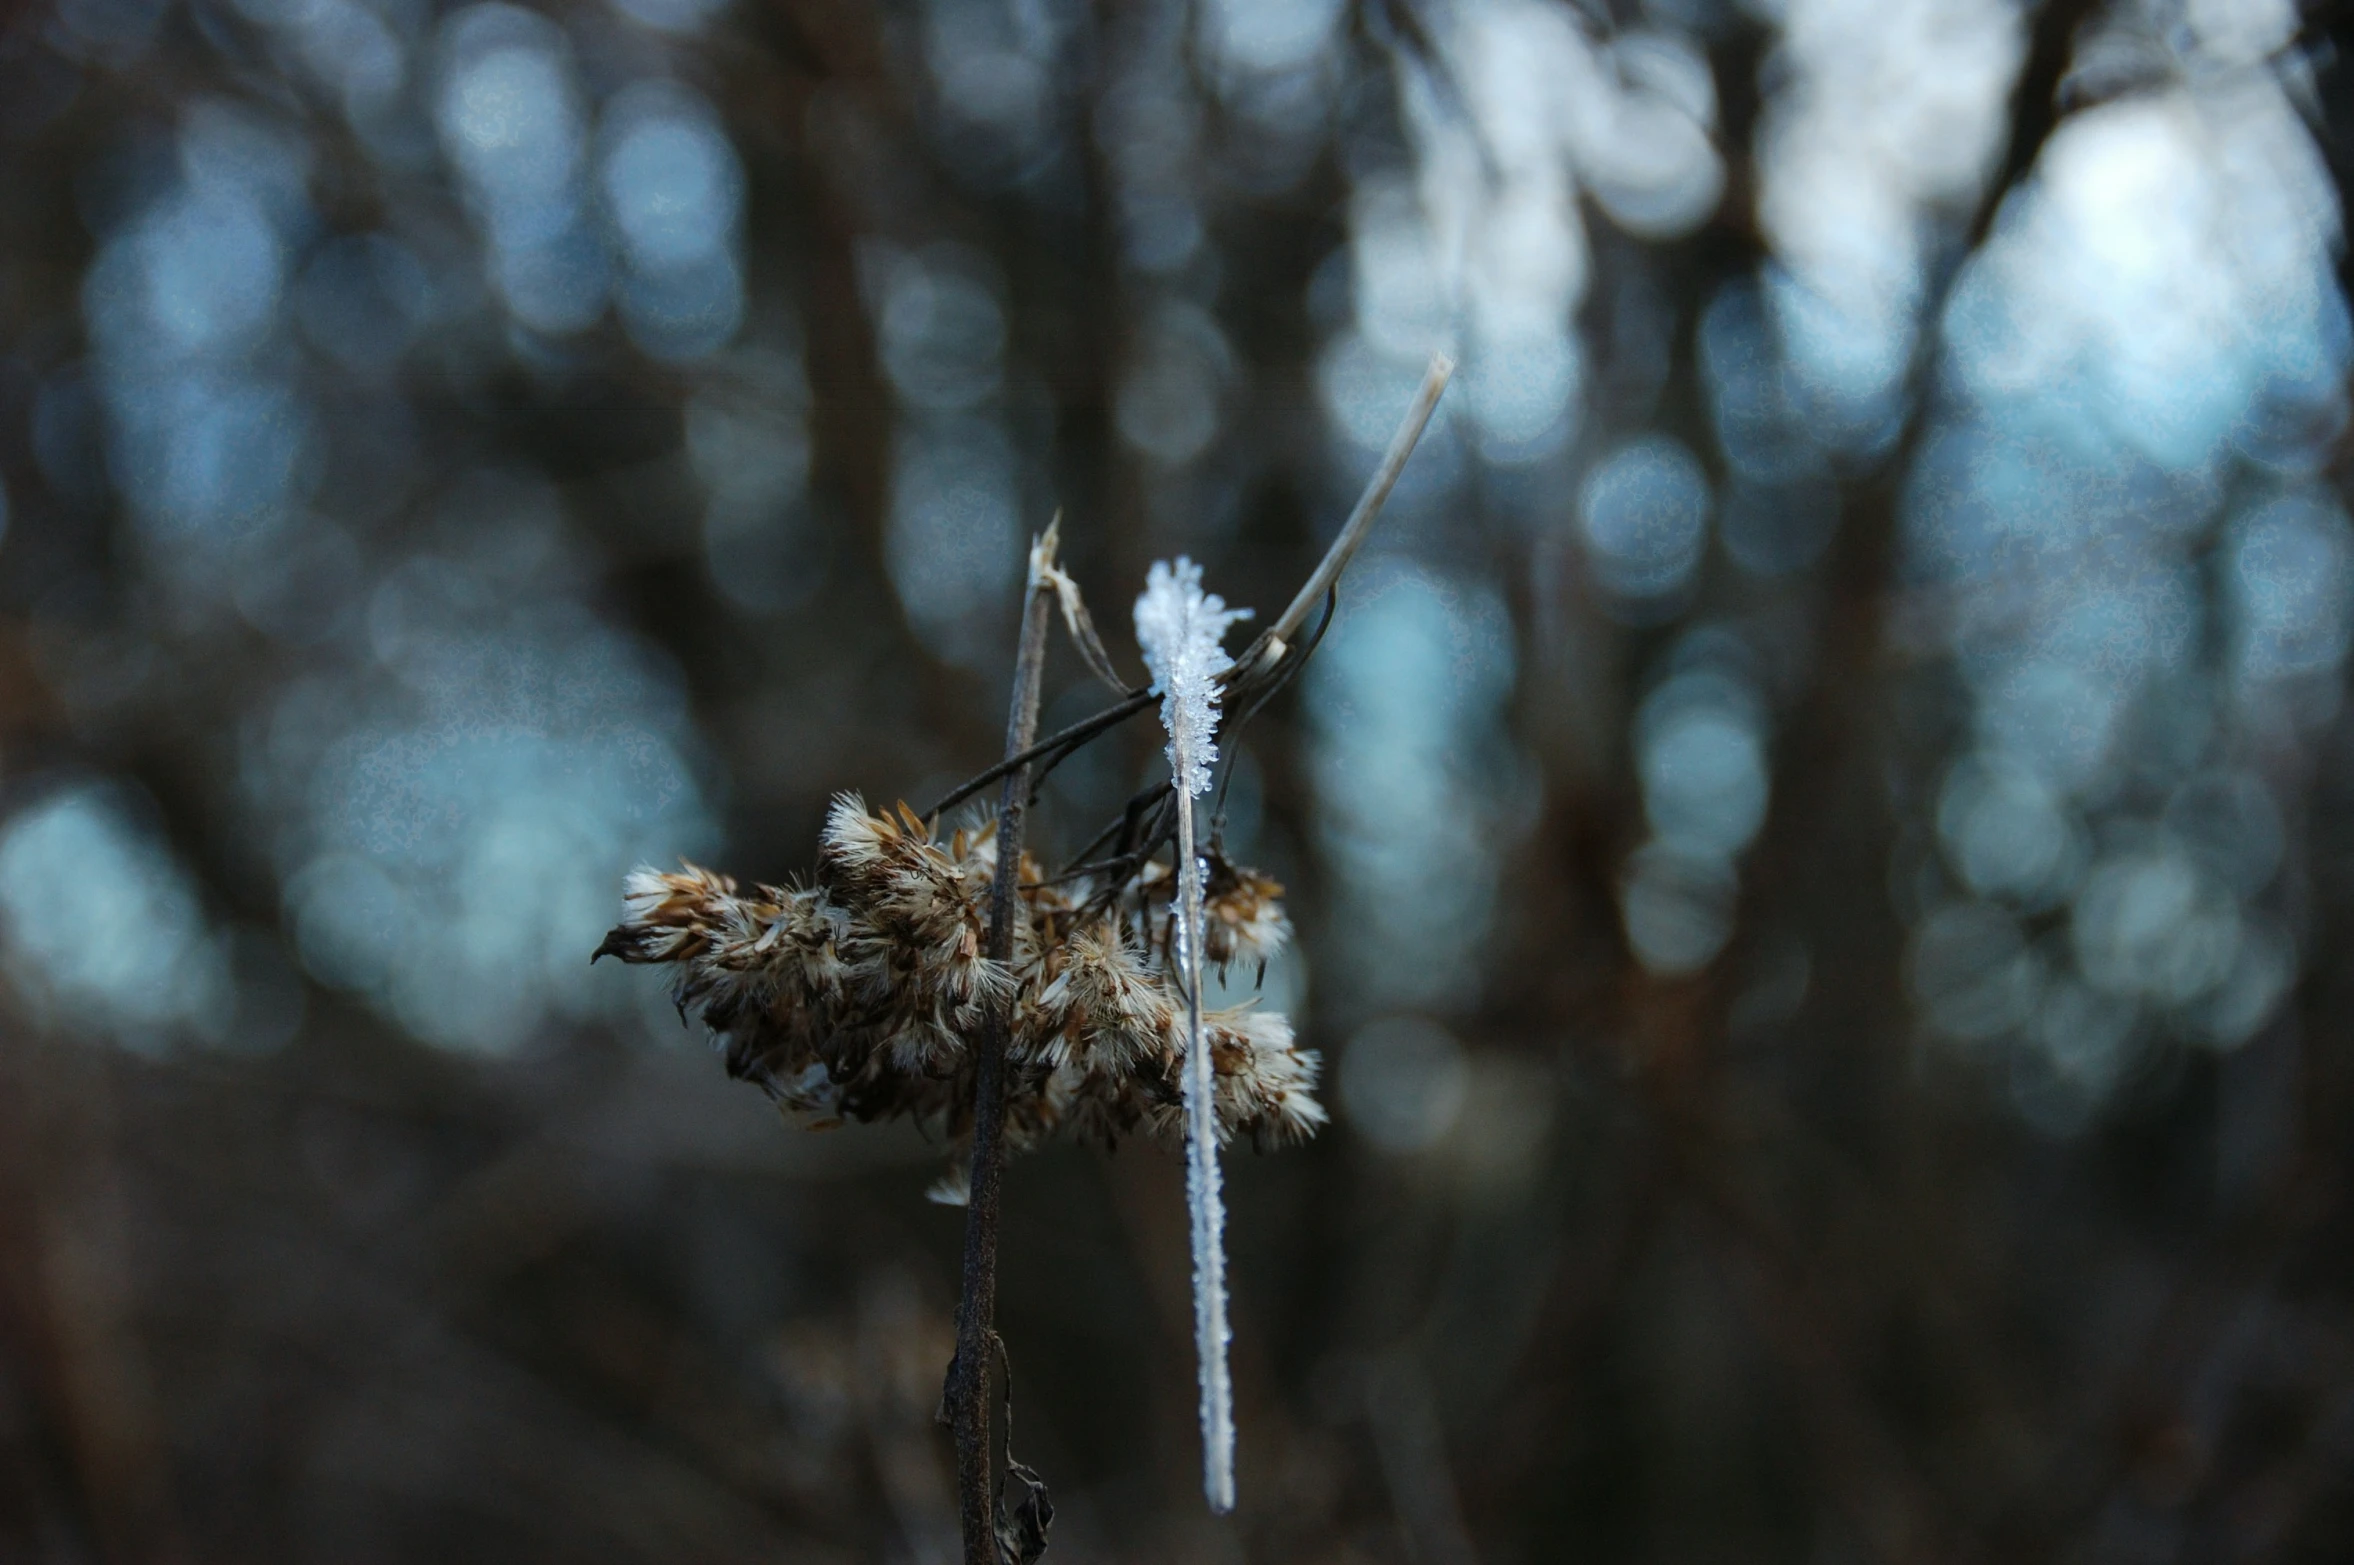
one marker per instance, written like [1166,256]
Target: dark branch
[1067,741]
[2036,109]
[966,1396]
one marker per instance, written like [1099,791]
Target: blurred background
[1823,834]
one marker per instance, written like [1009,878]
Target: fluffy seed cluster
[856,996]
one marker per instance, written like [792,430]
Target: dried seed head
[954,1187]
[742,959]
[918,919]
[1266,1085]
[1039,1105]
[1110,1107]
[1242,916]
[857,844]
[1103,1009]
[852,999]
[668,917]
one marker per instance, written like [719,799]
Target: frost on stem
[1180,628]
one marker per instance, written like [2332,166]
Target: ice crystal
[1180,627]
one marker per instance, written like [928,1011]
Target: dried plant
[950,980]
[855,997]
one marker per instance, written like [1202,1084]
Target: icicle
[1179,628]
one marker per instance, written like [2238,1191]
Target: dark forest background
[1823,833]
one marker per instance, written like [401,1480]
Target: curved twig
[1072,738]
[1377,491]
[1284,672]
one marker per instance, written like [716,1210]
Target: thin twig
[1369,504]
[1142,833]
[1271,661]
[1074,736]
[1251,697]
[1080,872]
[1253,677]
[1143,799]
[967,1394]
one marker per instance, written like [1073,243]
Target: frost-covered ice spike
[1205,1198]
[1180,628]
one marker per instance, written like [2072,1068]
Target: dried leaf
[1022,1527]
[1082,627]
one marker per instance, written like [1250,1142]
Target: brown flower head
[853,998]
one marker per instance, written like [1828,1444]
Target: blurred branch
[1682,1024]
[2036,109]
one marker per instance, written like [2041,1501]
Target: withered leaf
[1081,625]
[1022,1526]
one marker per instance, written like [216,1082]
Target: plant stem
[968,1373]
[1072,737]
[966,1396]
[1273,644]
[1360,522]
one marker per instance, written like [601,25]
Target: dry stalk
[967,1393]
[1336,559]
